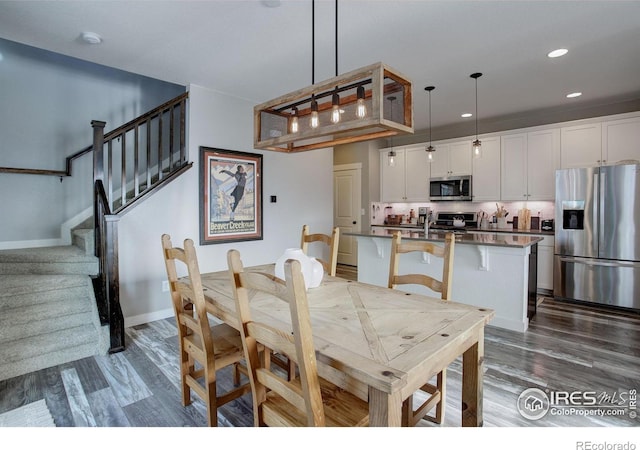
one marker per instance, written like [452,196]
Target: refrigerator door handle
[600,262]
[597,205]
[601,198]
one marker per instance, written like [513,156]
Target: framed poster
[230,196]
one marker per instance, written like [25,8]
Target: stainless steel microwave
[450,189]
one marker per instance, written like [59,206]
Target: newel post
[98,149]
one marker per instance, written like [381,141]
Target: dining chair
[332,241]
[307,400]
[211,347]
[436,393]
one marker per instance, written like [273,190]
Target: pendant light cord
[476,108]
[336,37]
[313,41]
[429,118]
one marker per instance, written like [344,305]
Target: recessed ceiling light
[574,94]
[465,115]
[558,52]
[90,37]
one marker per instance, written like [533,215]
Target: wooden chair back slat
[331,241]
[304,391]
[411,417]
[198,343]
[399,247]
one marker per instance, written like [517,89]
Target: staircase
[53,300]
[48,313]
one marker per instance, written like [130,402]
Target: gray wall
[47,102]
[218,120]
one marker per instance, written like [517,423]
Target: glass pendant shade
[392,158]
[477,149]
[430,151]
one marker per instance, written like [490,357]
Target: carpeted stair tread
[83,238]
[67,259]
[47,343]
[62,253]
[45,318]
[52,358]
[15,285]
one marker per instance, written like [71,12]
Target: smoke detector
[90,37]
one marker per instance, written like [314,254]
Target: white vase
[312,270]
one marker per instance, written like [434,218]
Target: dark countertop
[489,238]
[481,230]
[511,230]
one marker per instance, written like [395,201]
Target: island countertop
[485,238]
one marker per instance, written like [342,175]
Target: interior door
[347,209]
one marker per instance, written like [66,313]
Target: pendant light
[430,149]
[344,109]
[392,152]
[477,145]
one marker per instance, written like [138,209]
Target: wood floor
[567,348]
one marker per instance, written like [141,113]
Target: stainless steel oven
[450,188]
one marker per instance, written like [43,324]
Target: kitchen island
[491,270]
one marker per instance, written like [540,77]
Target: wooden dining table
[380,344]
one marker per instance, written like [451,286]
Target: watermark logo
[533,404]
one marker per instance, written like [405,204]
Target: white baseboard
[132,321]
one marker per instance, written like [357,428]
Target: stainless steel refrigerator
[597,237]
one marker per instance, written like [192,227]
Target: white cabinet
[621,140]
[451,159]
[486,172]
[581,146]
[514,167]
[528,165]
[545,263]
[408,179]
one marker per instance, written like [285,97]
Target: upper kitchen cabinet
[621,140]
[486,172]
[451,159]
[581,146]
[408,179]
[529,162]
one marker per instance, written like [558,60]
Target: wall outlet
[165,286]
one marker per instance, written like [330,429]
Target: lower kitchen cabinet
[545,263]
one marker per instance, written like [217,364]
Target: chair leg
[236,374]
[441,383]
[212,405]
[407,412]
[186,368]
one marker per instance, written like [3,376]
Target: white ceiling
[249,50]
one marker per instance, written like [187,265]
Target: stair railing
[129,163]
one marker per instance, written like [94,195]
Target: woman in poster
[238,191]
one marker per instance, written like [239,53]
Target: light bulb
[392,158]
[361,109]
[294,120]
[335,108]
[314,122]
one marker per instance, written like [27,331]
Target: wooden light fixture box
[384,117]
